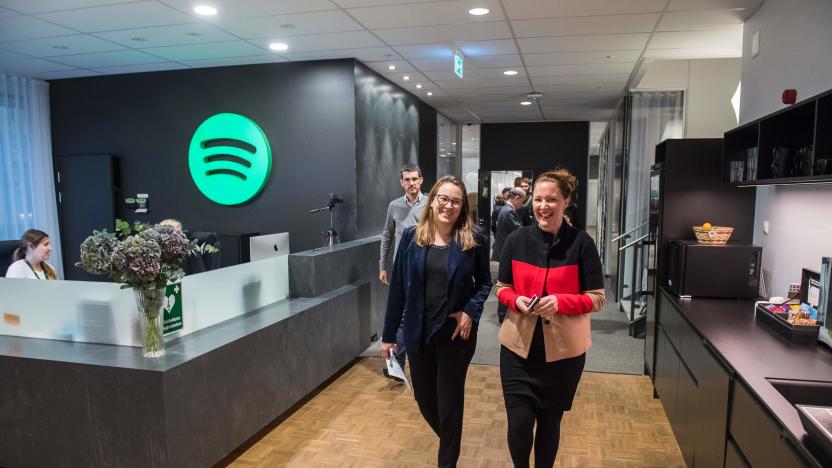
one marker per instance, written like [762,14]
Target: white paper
[395,370]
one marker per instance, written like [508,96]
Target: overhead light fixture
[479,11]
[430,93]
[391,67]
[406,78]
[60,47]
[194,34]
[510,72]
[526,103]
[279,46]
[418,86]
[138,39]
[205,10]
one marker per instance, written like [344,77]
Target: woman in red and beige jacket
[544,349]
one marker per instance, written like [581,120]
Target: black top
[436,285]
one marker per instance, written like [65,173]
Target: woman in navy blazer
[440,281]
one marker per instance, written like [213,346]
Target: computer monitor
[7,248]
[269,245]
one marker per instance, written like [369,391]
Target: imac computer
[269,245]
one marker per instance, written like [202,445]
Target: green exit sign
[458,60]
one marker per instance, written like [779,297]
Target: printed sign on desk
[172,316]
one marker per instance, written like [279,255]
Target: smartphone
[533,302]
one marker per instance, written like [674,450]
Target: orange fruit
[707,226]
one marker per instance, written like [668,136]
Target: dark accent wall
[538,146]
[306,109]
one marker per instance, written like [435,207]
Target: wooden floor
[360,420]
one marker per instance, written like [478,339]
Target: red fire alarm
[789,96]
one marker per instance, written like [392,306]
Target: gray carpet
[613,350]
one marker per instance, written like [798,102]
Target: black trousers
[438,373]
[521,422]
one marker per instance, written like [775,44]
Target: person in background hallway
[508,222]
[543,349]
[30,257]
[499,201]
[571,216]
[441,277]
[401,213]
[524,213]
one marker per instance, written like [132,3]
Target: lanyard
[45,274]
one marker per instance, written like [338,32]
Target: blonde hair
[566,182]
[464,228]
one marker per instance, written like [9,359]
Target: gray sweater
[400,214]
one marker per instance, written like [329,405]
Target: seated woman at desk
[30,257]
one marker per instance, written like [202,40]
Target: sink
[804,392]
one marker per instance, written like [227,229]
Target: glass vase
[150,302]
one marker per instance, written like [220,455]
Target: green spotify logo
[229,158]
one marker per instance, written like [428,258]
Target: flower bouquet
[145,258]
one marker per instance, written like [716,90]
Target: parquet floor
[360,420]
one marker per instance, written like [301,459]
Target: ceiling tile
[445,33]
[106,59]
[692,39]
[533,9]
[371,54]
[382,66]
[585,25]
[700,20]
[61,75]
[569,79]
[583,69]
[575,58]
[64,45]
[6,56]
[206,51]
[31,66]
[303,23]
[426,14]
[695,53]
[364,3]
[21,28]
[4,13]
[225,62]
[150,67]
[398,78]
[484,83]
[480,48]
[121,16]
[161,36]
[425,51]
[479,74]
[42,6]
[683,5]
[603,42]
[233,9]
[334,41]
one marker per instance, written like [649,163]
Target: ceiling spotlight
[278,46]
[406,78]
[430,93]
[194,34]
[205,10]
[138,39]
[510,72]
[418,86]
[479,11]
[60,47]
[287,26]
[391,67]
[526,103]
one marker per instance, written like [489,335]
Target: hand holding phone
[533,302]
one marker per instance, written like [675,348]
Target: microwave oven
[700,270]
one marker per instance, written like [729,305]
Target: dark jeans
[521,421]
[438,372]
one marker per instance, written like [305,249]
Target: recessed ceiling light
[278,46]
[138,39]
[60,47]
[406,78]
[418,86]
[391,67]
[430,93]
[479,11]
[205,10]
[287,26]
[526,103]
[194,34]
[510,72]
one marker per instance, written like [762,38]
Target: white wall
[795,42]
[709,84]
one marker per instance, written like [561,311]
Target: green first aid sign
[229,158]
[172,310]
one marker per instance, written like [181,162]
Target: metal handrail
[634,242]
[630,231]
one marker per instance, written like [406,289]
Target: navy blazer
[469,283]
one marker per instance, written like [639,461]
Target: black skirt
[545,385]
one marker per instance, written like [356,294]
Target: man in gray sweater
[402,212]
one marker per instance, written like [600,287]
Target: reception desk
[71,403]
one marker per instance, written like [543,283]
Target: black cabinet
[713,390]
[733,459]
[667,373]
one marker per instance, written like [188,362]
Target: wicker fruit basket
[716,235]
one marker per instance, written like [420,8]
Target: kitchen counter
[756,352]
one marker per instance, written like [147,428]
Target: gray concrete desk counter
[80,404]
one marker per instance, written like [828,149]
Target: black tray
[793,333]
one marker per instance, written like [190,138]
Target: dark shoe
[387,374]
